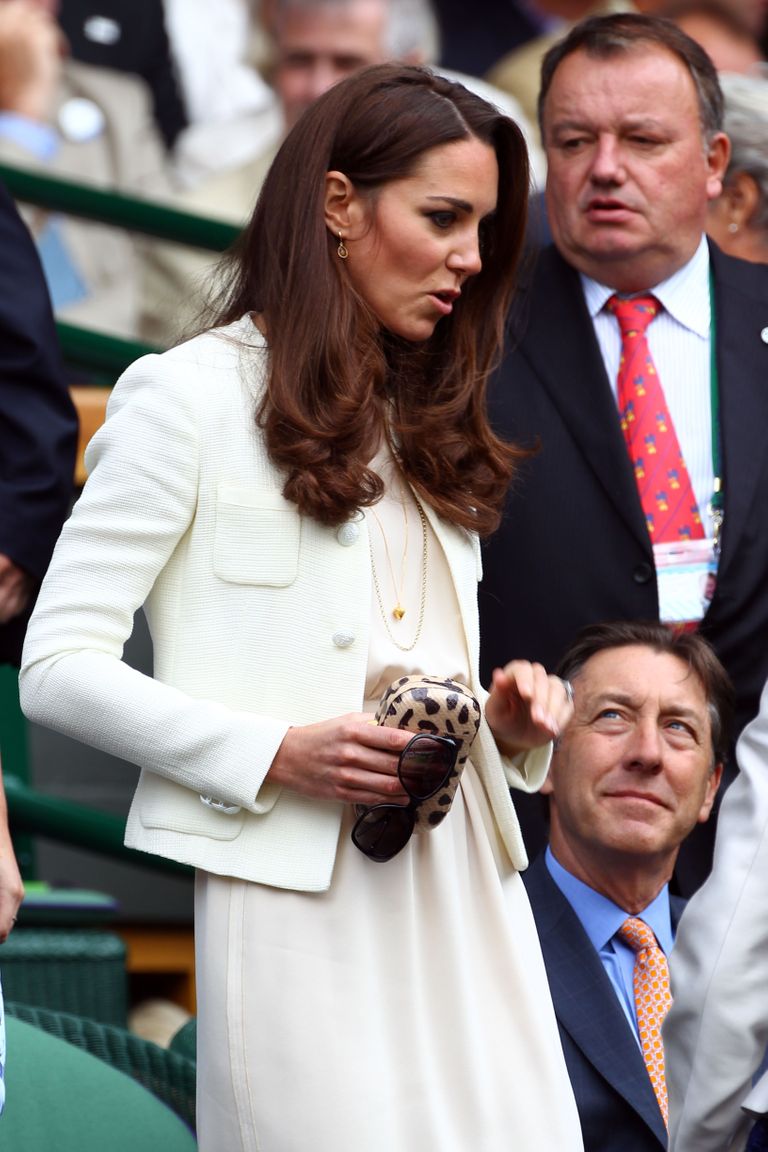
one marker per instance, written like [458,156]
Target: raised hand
[527,707]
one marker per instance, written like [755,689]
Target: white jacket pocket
[257,537]
[174,808]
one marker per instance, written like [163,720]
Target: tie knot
[637,934]
[633,314]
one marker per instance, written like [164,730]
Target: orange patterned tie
[665,489]
[652,1000]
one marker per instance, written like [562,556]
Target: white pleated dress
[406,1009]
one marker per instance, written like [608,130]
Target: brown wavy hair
[335,378]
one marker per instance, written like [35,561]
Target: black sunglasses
[424,767]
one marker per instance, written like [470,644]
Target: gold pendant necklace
[398,612]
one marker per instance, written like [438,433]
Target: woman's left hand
[526,707]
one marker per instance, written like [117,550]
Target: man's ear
[713,783]
[344,208]
[718,155]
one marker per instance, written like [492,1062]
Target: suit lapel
[559,343]
[585,1003]
[676,908]
[742,361]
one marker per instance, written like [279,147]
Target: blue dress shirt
[601,919]
[65,284]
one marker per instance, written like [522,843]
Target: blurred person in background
[88,124]
[738,219]
[130,36]
[721,31]
[201,62]
[220,51]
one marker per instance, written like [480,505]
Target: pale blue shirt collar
[32,135]
[685,295]
[600,917]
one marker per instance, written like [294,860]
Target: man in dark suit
[38,430]
[631,112]
[38,437]
[636,768]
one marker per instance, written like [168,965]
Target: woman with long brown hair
[296,496]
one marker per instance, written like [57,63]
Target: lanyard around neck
[716,506]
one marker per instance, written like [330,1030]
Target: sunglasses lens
[383,831]
[426,764]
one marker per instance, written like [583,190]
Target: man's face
[629,175]
[632,773]
[319,45]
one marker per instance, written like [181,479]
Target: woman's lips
[443,301]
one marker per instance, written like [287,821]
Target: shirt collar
[684,295]
[600,917]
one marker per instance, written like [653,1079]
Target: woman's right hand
[349,758]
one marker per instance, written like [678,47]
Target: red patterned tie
[670,507]
[652,1000]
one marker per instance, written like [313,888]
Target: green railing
[106,207]
[35,814]
[95,352]
[102,357]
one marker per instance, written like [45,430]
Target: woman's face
[415,244]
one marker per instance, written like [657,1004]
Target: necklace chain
[399,611]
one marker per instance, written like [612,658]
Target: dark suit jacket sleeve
[38,423]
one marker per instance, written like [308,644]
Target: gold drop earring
[342,251]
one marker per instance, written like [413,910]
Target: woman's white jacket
[259,620]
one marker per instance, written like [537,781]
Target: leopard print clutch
[440,707]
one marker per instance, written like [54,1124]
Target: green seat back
[185,1040]
[60,1097]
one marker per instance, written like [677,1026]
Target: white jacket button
[220,806]
[343,639]
[347,533]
